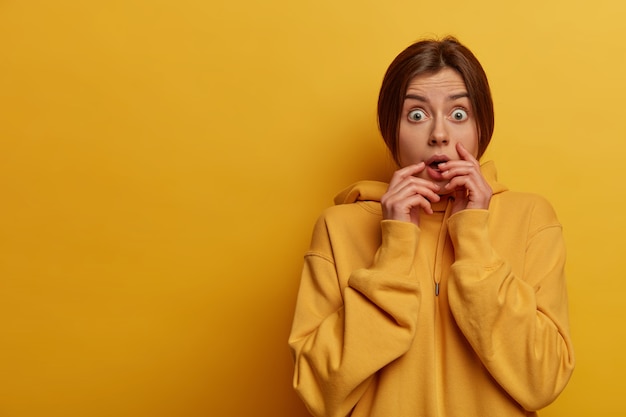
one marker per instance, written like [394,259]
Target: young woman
[441,293]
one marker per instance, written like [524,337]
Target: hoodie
[465,315]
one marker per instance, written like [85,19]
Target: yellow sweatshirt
[465,315]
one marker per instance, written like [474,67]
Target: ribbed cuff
[469,232]
[398,248]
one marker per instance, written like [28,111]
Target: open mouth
[435,161]
[435,165]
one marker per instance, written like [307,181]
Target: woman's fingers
[465,154]
[405,208]
[408,194]
[466,179]
[406,172]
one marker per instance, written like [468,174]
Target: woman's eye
[417,115]
[459,115]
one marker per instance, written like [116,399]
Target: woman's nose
[439,134]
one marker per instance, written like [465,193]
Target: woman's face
[437,114]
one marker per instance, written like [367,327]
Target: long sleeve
[342,336]
[517,324]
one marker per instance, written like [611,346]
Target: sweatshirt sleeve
[517,325]
[341,337]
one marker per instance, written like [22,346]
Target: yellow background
[162,164]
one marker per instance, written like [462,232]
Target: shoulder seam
[544,227]
[319,255]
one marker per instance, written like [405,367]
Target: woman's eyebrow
[422,98]
[415,97]
[459,95]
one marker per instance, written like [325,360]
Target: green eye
[417,115]
[459,115]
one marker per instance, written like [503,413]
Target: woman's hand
[407,194]
[470,189]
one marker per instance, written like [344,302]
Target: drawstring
[441,243]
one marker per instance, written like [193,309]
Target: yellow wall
[162,163]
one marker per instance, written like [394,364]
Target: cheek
[472,146]
[410,146]
[469,139]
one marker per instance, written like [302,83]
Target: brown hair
[430,56]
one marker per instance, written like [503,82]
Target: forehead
[444,80]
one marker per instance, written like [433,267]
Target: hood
[374,190]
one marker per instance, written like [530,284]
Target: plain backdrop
[162,164]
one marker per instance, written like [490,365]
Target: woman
[441,293]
